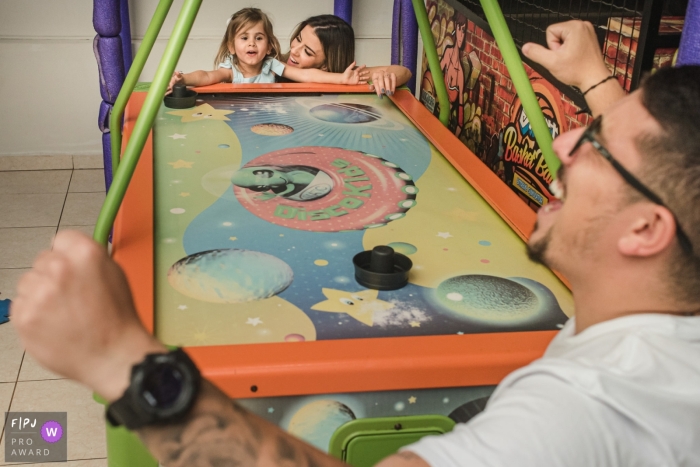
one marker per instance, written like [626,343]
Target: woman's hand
[383,82]
[353,75]
[178,78]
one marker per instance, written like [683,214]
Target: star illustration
[412,400]
[182,307]
[177,136]
[233,239]
[184,194]
[359,305]
[444,234]
[254,321]
[180,164]
[201,112]
[414,324]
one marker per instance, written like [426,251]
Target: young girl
[248,54]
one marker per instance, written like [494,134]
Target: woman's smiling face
[306,51]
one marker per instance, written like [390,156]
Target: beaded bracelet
[598,84]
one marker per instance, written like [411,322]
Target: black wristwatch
[163,389]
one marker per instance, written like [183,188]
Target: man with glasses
[619,385]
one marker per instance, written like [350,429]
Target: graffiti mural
[485,113]
[524,167]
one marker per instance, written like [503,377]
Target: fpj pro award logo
[36,436]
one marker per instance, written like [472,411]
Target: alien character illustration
[295,182]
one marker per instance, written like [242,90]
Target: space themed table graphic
[261,202]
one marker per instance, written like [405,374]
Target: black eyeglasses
[589,136]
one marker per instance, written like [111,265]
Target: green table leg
[125,449]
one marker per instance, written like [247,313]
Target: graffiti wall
[620,46]
[485,112]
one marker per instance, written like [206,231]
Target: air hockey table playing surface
[255,278]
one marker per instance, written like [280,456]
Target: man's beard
[536,251]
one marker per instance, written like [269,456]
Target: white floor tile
[8,282]
[31,210]
[11,351]
[87,181]
[34,181]
[86,424]
[19,247]
[82,208]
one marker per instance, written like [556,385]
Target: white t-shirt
[271,68]
[625,392]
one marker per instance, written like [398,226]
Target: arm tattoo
[220,433]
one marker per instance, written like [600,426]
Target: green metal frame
[522,84]
[148,113]
[426,35]
[115,118]
[513,62]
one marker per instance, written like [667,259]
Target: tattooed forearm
[219,432]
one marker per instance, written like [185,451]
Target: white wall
[49,91]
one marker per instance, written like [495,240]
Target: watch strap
[128,412]
[122,412]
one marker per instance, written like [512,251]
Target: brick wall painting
[620,46]
[485,113]
[520,162]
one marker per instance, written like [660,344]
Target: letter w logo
[52,432]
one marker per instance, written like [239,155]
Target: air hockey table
[237,235]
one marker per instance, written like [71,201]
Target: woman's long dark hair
[337,39]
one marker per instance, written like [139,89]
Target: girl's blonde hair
[238,21]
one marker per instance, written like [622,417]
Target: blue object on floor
[5,310]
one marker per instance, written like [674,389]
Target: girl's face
[251,45]
[306,51]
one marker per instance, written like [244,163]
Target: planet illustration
[230,276]
[488,298]
[341,112]
[316,422]
[271,129]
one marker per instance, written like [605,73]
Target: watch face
[162,386]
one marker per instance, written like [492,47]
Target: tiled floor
[33,206]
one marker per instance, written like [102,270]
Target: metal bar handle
[115,119]
[143,125]
[522,84]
